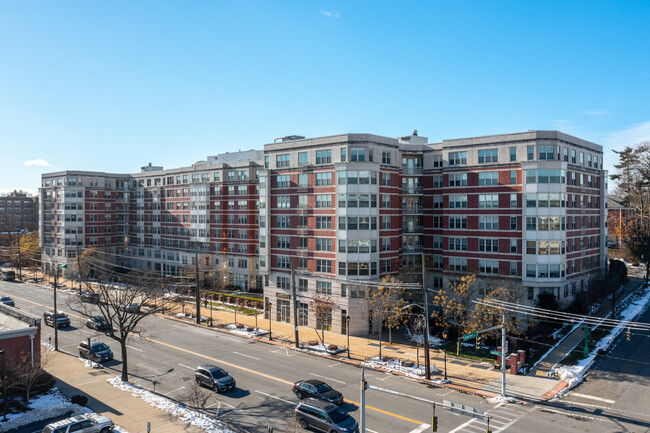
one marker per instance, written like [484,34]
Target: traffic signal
[627,335]
[434,424]
[478,343]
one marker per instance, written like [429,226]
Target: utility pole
[504,350]
[425,298]
[294,298]
[20,274]
[364,386]
[56,323]
[198,295]
[78,261]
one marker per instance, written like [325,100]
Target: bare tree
[417,328]
[386,305]
[124,307]
[22,375]
[321,307]
[196,396]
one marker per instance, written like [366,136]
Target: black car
[90,297]
[7,301]
[98,323]
[326,417]
[214,377]
[62,320]
[316,389]
[96,351]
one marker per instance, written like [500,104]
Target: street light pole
[427,361]
[270,335]
[347,329]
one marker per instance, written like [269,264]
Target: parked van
[7,275]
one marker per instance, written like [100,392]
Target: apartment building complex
[333,215]
[18,211]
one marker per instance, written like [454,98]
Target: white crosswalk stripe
[502,416]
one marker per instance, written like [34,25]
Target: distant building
[18,211]
[619,215]
[344,211]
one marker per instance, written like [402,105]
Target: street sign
[469,336]
[494,352]
[465,410]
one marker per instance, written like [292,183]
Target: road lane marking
[174,390]
[586,404]
[186,366]
[248,370]
[593,397]
[328,378]
[335,365]
[247,356]
[569,414]
[134,348]
[371,431]
[420,429]
[471,421]
[277,398]
[220,402]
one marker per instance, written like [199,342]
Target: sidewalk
[130,413]
[571,340]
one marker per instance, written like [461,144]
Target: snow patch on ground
[320,349]
[184,414]
[244,332]
[47,346]
[46,406]
[501,399]
[575,373]
[395,366]
[90,364]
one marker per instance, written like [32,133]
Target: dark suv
[97,351]
[316,389]
[326,417]
[214,377]
[62,320]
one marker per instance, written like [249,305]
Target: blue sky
[111,86]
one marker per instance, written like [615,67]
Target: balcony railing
[411,170]
[412,209]
[412,190]
[412,229]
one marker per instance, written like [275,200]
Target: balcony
[412,249]
[411,170]
[412,190]
[412,229]
[414,209]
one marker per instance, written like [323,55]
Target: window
[324,222]
[531,272]
[302,158]
[487,223]
[488,155]
[385,222]
[323,244]
[458,244]
[437,181]
[531,152]
[457,158]
[303,180]
[284,262]
[385,179]
[513,154]
[302,201]
[324,287]
[324,266]
[323,200]
[385,159]
[582,158]
[458,179]
[458,264]
[357,155]
[488,266]
[385,200]
[437,202]
[343,153]
[488,178]
[457,222]
[513,268]
[283,283]
[280,182]
[283,242]
[284,201]
[513,246]
[385,266]
[513,177]
[531,247]
[488,200]
[458,201]
[385,244]
[303,284]
[283,221]
[565,152]
[303,243]
[545,152]
[323,179]
[488,245]
[282,160]
[513,200]
[531,223]
[323,157]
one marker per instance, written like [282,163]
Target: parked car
[214,377]
[98,323]
[7,300]
[612,244]
[62,320]
[96,351]
[316,389]
[130,308]
[326,417]
[90,297]
[88,423]
[8,275]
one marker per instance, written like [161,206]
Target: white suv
[89,423]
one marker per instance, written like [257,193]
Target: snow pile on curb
[175,409]
[90,364]
[395,366]
[319,348]
[243,332]
[574,374]
[50,405]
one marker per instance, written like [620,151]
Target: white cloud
[330,14]
[38,162]
[628,137]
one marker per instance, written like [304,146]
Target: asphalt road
[170,351]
